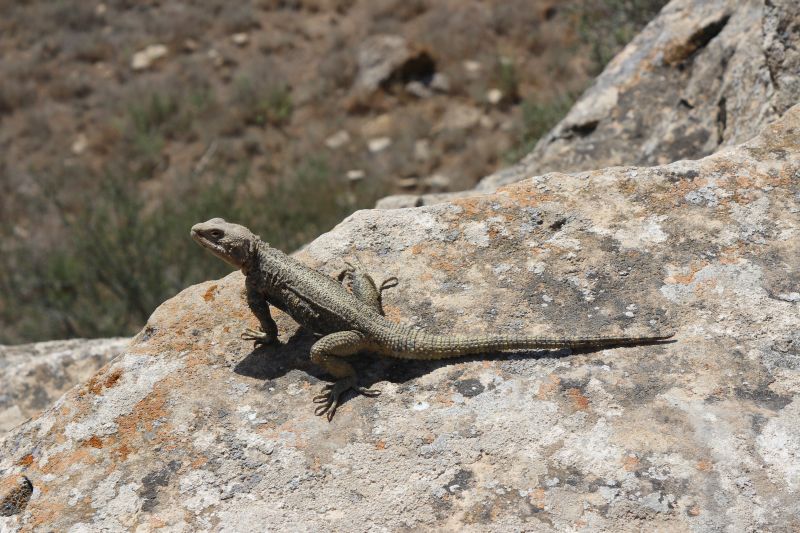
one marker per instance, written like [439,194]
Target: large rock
[33,376]
[192,430]
[703,75]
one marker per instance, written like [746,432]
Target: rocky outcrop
[702,76]
[33,376]
[191,429]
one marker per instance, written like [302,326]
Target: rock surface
[703,75]
[33,376]
[190,429]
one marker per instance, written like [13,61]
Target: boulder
[192,429]
[33,376]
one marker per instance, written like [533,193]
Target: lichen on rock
[191,429]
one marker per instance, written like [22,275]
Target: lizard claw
[330,396]
[369,393]
[258,336]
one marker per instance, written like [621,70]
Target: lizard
[350,322]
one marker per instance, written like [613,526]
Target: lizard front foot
[261,338]
[330,395]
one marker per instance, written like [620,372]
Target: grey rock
[190,429]
[702,76]
[33,376]
[378,57]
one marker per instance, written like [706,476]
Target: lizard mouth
[205,242]
[213,247]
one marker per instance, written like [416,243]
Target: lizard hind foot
[329,397]
[260,337]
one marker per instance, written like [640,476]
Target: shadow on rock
[271,362]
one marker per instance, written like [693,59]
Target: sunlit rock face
[190,429]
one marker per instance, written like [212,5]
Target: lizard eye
[216,233]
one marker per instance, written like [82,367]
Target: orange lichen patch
[685,279]
[704,465]
[417,249]
[380,445]
[143,416]
[209,294]
[730,255]
[100,380]
[26,460]
[580,401]
[549,387]
[627,186]
[94,441]
[705,286]
[444,398]
[8,484]
[392,312]
[113,378]
[122,452]
[630,463]
[45,513]
[537,498]
[684,187]
[94,385]
[522,195]
[694,511]
[60,462]
[199,461]
[156,523]
[473,206]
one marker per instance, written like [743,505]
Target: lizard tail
[420,345]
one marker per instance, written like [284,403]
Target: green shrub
[608,25]
[125,255]
[537,119]
[263,104]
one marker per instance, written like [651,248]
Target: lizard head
[232,243]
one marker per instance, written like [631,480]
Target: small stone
[408,183]
[379,126]
[418,89]
[144,59]
[440,83]
[337,140]
[379,144]
[216,58]
[472,67]
[494,96]
[80,144]
[459,117]
[100,10]
[355,175]
[190,45]
[240,39]
[438,182]
[378,57]
[422,149]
